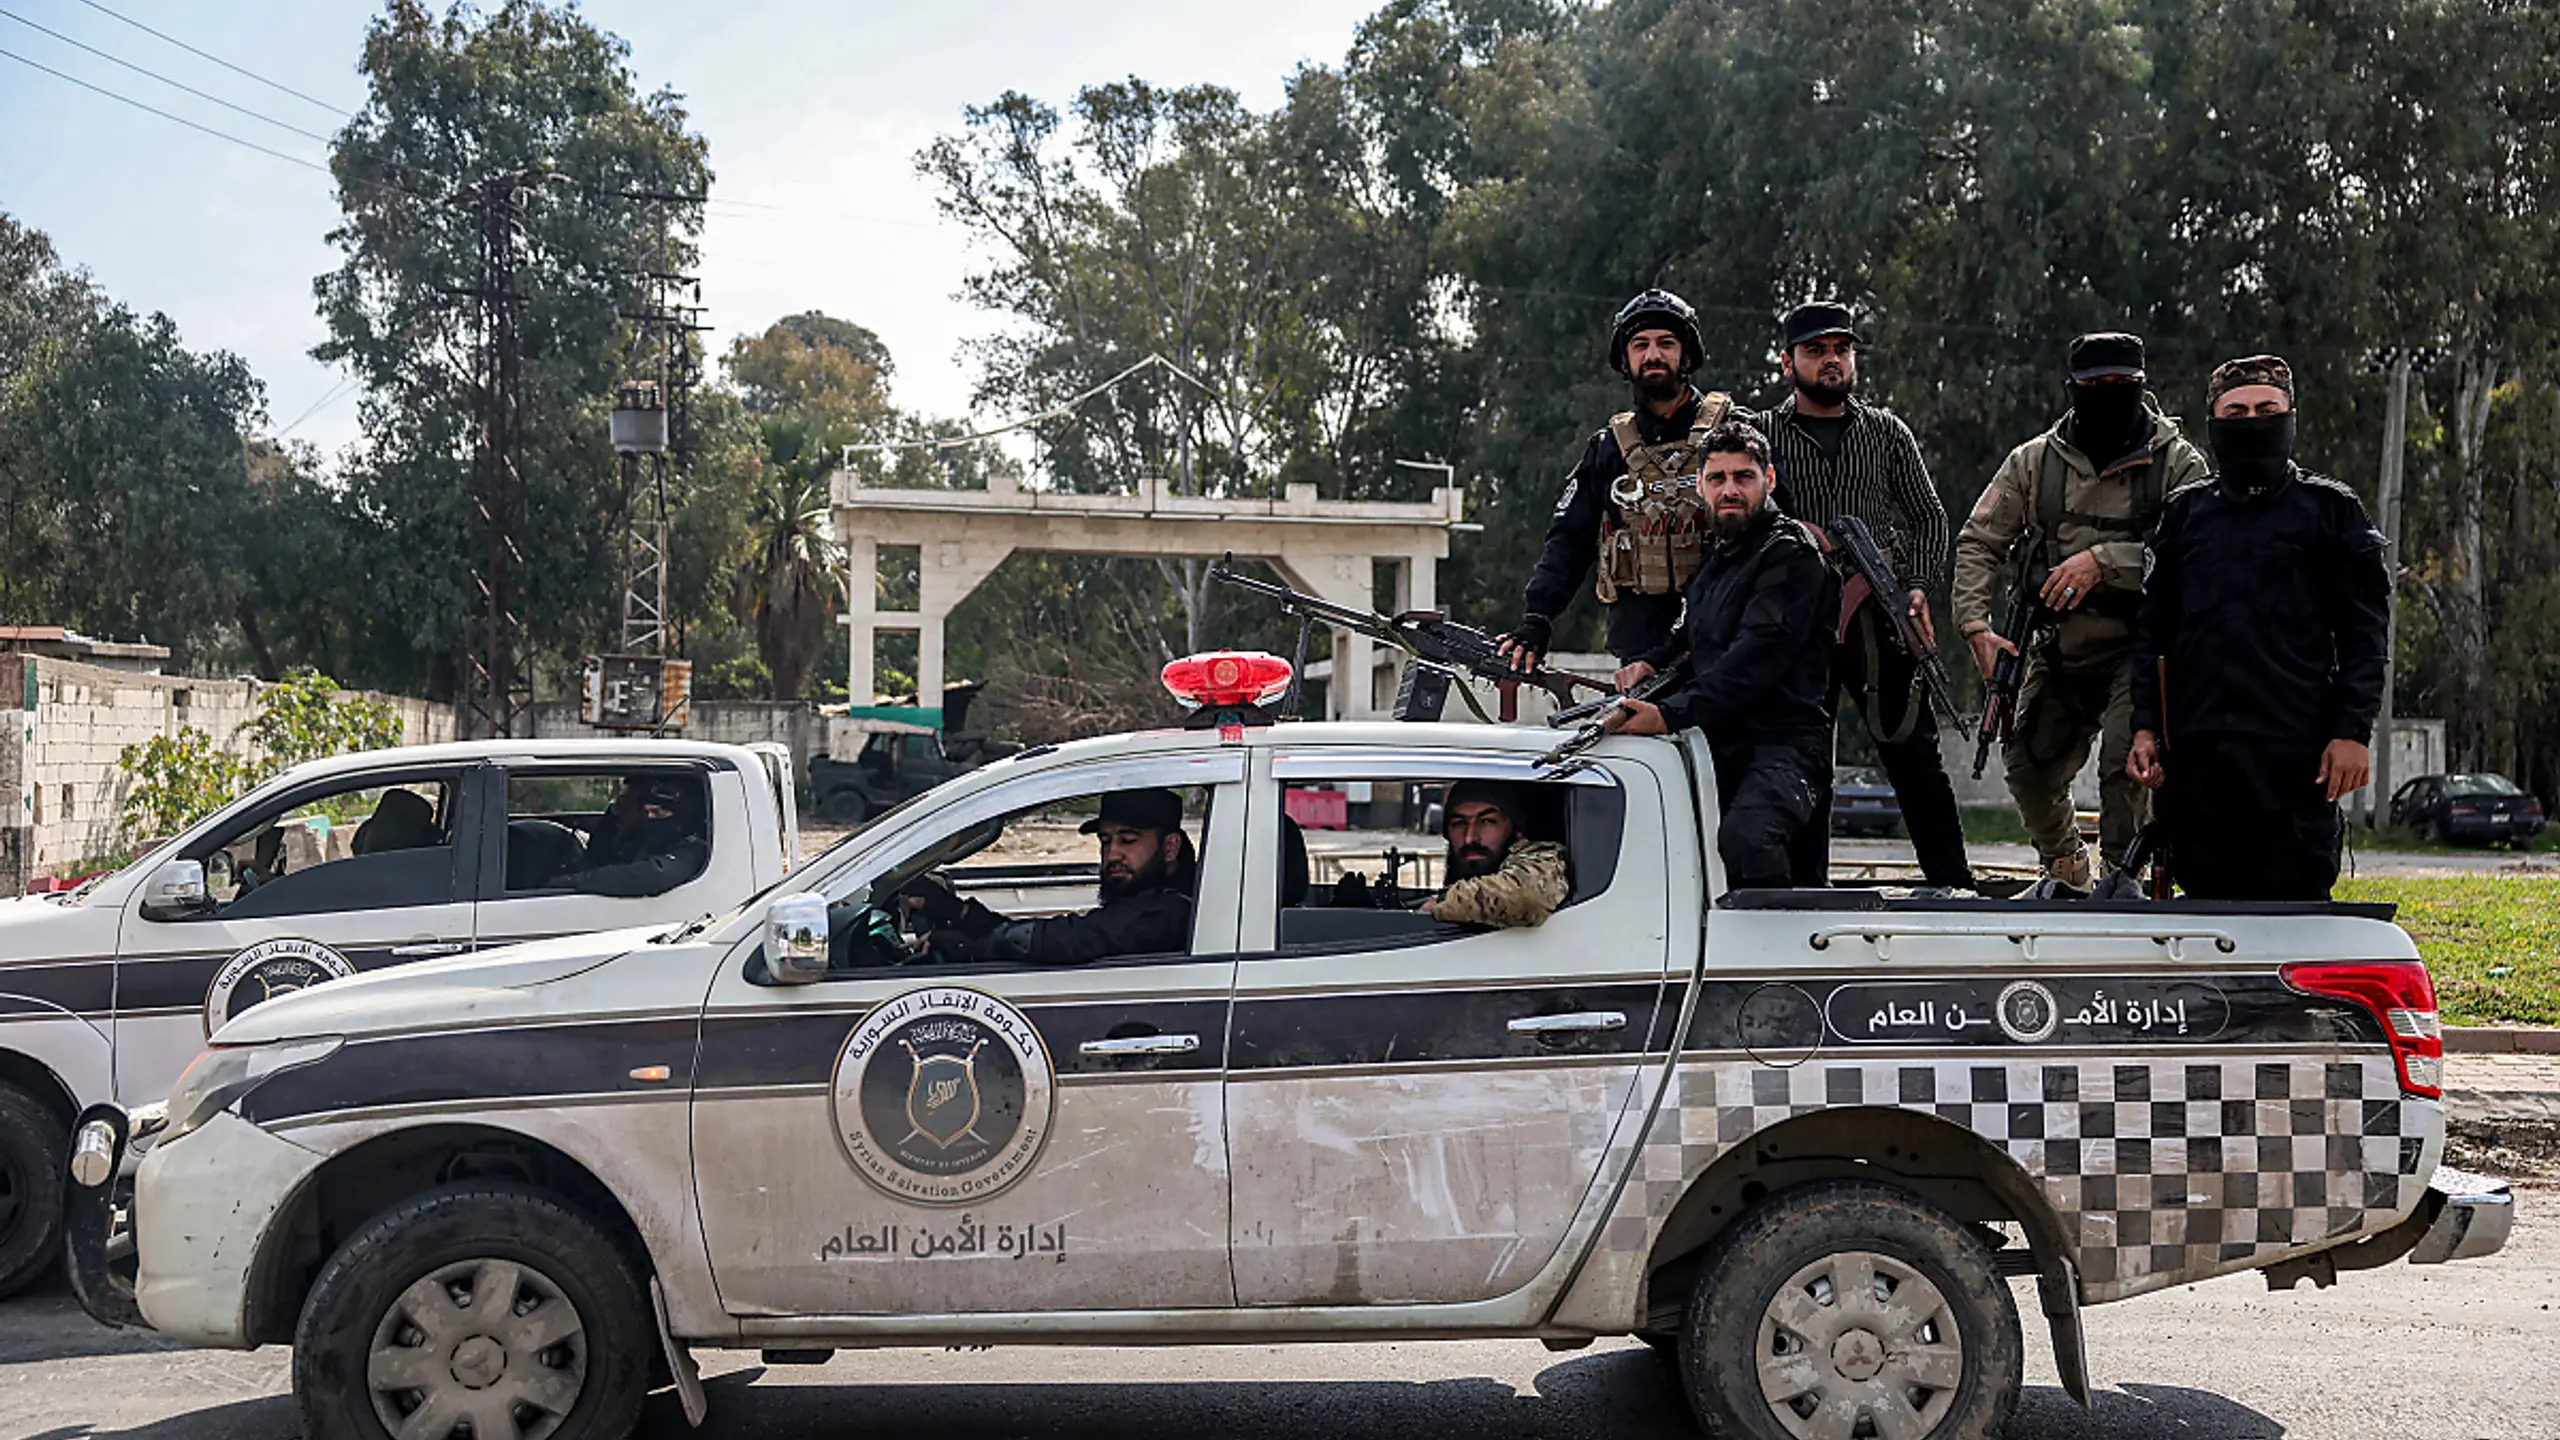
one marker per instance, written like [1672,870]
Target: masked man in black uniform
[2266,601]
[666,849]
[1147,875]
[1757,627]
[1630,506]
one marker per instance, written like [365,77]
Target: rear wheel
[33,1153]
[492,1311]
[1846,1311]
[845,807]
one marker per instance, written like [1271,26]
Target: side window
[1367,860]
[367,846]
[623,832]
[1104,874]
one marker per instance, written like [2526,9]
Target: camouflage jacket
[1525,891]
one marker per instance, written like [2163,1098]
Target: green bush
[180,779]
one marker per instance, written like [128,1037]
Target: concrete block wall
[61,793]
[795,723]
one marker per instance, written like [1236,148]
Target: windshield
[2481,785]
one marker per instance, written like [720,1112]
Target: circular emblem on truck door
[266,970]
[2027,1013]
[943,1096]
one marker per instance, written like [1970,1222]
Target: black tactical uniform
[1640,556]
[1757,627]
[1149,918]
[667,850]
[2271,610]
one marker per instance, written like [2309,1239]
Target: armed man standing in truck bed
[2266,604]
[2066,513]
[1757,628]
[1838,455]
[1630,505]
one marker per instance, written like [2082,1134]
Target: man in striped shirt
[1837,455]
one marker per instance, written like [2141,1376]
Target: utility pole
[496,689]
[2397,362]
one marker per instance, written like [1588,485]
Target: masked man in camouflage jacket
[2067,512]
[1496,878]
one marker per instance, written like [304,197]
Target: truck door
[332,877]
[1416,1110]
[572,834]
[916,1136]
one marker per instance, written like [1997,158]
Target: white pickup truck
[335,867]
[1800,1141]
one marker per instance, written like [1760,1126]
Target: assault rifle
[1893,602]
[1591,717]
[2027,614]
[1435,644]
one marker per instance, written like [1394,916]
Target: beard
[1825,393]
[1149,876]
[1473,862]
[1658,386]
[1732,524]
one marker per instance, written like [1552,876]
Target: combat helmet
[1657,309]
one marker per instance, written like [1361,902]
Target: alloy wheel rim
[488,1345]
[1859,1346]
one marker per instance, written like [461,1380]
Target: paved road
[2461,1353]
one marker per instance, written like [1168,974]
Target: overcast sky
[812,109]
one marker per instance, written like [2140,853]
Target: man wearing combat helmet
[1630,507]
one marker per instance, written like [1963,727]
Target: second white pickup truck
[346,865]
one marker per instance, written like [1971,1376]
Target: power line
[163,79]
[319,405]
[165,115]
[218,60]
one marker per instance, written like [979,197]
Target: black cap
[2108,352]
[1137,810]
[1504,795]
[1816,318]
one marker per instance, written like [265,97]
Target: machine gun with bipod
[1437,650]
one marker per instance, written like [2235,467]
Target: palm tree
[794,575]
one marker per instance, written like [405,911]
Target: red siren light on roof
[1227,677]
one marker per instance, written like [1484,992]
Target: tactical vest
[2053,478]
[1658,538]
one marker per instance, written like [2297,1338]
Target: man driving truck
[1496,878]
[1147,867]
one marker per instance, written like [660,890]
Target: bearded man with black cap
[1497,877]
[2078,498]
[1146,864]
[2259,654]
[1838,455]
[1630,504]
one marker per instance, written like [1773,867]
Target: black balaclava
[657,836]
[2252,454]
[2108,420]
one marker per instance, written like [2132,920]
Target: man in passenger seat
[671,848]
[1496,878]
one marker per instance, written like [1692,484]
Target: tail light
[2464,810]
[2533,807]
[2399,994]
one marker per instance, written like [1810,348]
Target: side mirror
[795,940]
[174,891]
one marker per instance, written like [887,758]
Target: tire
[1950,1369]
[2444,831]
[35,1152]
[845,807]
[569,1362]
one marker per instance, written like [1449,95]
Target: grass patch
[1993,825]
[2401,840]
[2471,925]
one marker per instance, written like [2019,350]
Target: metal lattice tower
[651,424]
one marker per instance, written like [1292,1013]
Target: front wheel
[1847,1310]
[487,1310]
[33,1153]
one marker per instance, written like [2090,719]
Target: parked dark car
[2480,806]
[1863,803]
